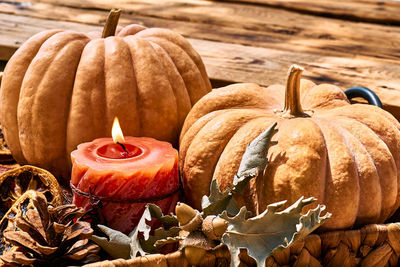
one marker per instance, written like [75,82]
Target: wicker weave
[372,245]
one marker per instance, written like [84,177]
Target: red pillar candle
[125,177]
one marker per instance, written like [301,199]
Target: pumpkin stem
[111,23]
[292,106]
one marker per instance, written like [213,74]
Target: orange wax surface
[147,170]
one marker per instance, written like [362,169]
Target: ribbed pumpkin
[347,156]
[63,88]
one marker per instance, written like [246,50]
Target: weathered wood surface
[231,23]
[238,42]
[383,11]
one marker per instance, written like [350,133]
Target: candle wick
[123,147]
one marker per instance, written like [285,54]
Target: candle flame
[116,132]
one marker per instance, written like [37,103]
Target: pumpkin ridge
[192,132]
[179,40]
[131,30]
[347,127]
[392,140]
[171,91]
[68,105]
[305,87]
[327,170]
[223,185]
[345,134]
[338,191]
[155,106]
[288,175]
[325,96]
[67,154]
[15,68]
[120,87]
[52,126]
[206,158]
[382,176]
[193,129]
[86,104]
[139,113]
[228,162]
[381,112]
[160,51]
[227,98]
[195,92]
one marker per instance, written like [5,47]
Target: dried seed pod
[214,227]
[14,183]
[195,246]
[189,218]
[46,235]
[20,207]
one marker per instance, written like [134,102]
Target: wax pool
[125,179]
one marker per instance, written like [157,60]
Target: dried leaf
[143,228]
[116,244]
[270,230]
[167,221]
[146,245]
[254,161]
[119,245]
[160,234]
[218,201]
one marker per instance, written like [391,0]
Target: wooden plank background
[385,11]
[355,43]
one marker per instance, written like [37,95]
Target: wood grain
[14,30]
[233,23]
[238,63]
[239,43]
[383,11]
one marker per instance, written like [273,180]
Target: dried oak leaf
[254,161]
[146,245]
[140,241]
[116,244]
[270,230]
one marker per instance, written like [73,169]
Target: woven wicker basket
[372,245]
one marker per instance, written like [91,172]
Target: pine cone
[47,236]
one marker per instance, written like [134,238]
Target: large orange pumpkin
[62,88]
[347,156]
